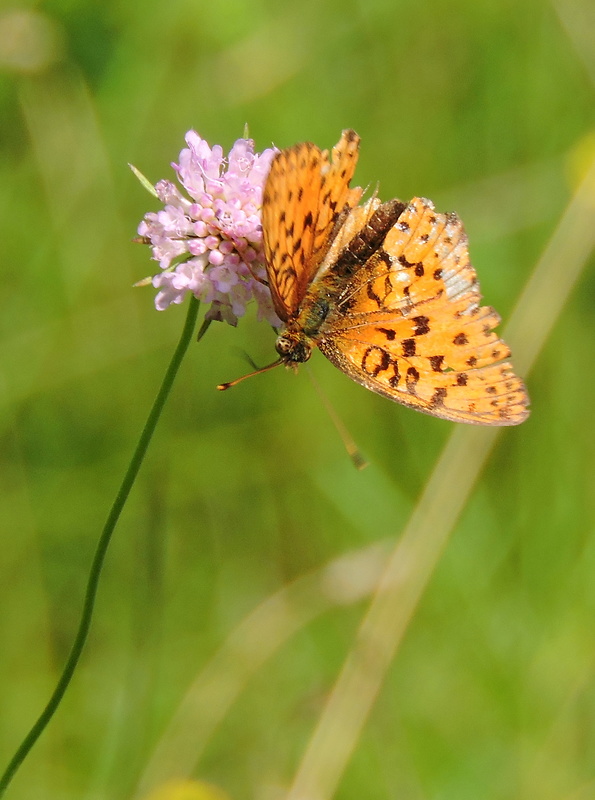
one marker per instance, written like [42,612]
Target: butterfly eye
[284,345]
[293,348]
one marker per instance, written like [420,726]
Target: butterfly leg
[258,278]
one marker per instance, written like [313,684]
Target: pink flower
[208,241]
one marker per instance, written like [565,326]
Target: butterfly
[386,291]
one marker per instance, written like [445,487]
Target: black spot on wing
[375,360]
[372,295]
[437,398]
[408,348]
[396,376]
[411,380]
[421,325]
[436,363]
[385,258]
[390,333]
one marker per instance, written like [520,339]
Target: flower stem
[102,546]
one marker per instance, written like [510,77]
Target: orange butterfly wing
[306,195]
[408,324]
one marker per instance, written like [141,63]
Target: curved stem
[102,546]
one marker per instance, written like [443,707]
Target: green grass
[487,108]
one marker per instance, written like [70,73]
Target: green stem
[102,546]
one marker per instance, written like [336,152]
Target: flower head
[208,240]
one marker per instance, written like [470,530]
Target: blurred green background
[485,106]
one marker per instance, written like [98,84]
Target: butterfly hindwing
[408,325]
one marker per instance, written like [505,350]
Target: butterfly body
[386,291]
[329,289]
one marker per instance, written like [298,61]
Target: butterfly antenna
[223,386]
[353,451]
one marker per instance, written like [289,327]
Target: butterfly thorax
[306,327]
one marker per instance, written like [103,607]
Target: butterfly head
[294,347]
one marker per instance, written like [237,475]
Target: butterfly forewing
[305,195]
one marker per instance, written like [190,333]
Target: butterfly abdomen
[367,241]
